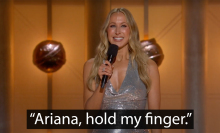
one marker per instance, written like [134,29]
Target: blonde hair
[134,47]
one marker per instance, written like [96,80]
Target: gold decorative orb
[49,56]
[153,50]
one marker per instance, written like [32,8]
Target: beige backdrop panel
[165,27]
[68,28]
[213,71]
[30,92]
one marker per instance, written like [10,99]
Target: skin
[118,33]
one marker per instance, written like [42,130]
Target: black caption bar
[110,119]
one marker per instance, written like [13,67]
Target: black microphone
[112,52]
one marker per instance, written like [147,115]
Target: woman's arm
[154,94]
[93,100]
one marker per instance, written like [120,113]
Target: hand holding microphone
[106,68]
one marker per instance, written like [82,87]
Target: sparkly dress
[131,95]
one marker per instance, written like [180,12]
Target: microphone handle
[104,80]
[105,77]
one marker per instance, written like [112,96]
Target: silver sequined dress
[131,95]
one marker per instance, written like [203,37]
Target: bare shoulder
[88,64]
[87,68]
[152,63]
[153,68]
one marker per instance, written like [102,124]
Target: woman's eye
[112,25]
[124,26]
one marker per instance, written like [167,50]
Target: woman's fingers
[107,63]
[109,68]
[105,69]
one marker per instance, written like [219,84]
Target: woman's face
[118,30]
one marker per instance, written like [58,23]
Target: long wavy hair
[134,48]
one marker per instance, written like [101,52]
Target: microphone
[112,52]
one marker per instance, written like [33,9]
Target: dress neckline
[120,88]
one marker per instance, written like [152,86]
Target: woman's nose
[117,31]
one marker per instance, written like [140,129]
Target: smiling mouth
[118,38]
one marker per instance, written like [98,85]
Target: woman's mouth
[118,38]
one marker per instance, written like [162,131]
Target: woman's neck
[123,54]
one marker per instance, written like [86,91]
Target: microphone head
[112,50]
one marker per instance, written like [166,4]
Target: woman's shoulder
[152,63]
[88,64]
[153,68]
[90,61]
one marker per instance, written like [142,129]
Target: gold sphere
[153,50]
[49,56]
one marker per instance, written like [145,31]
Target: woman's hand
[105,69]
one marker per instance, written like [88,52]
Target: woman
[133,78]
